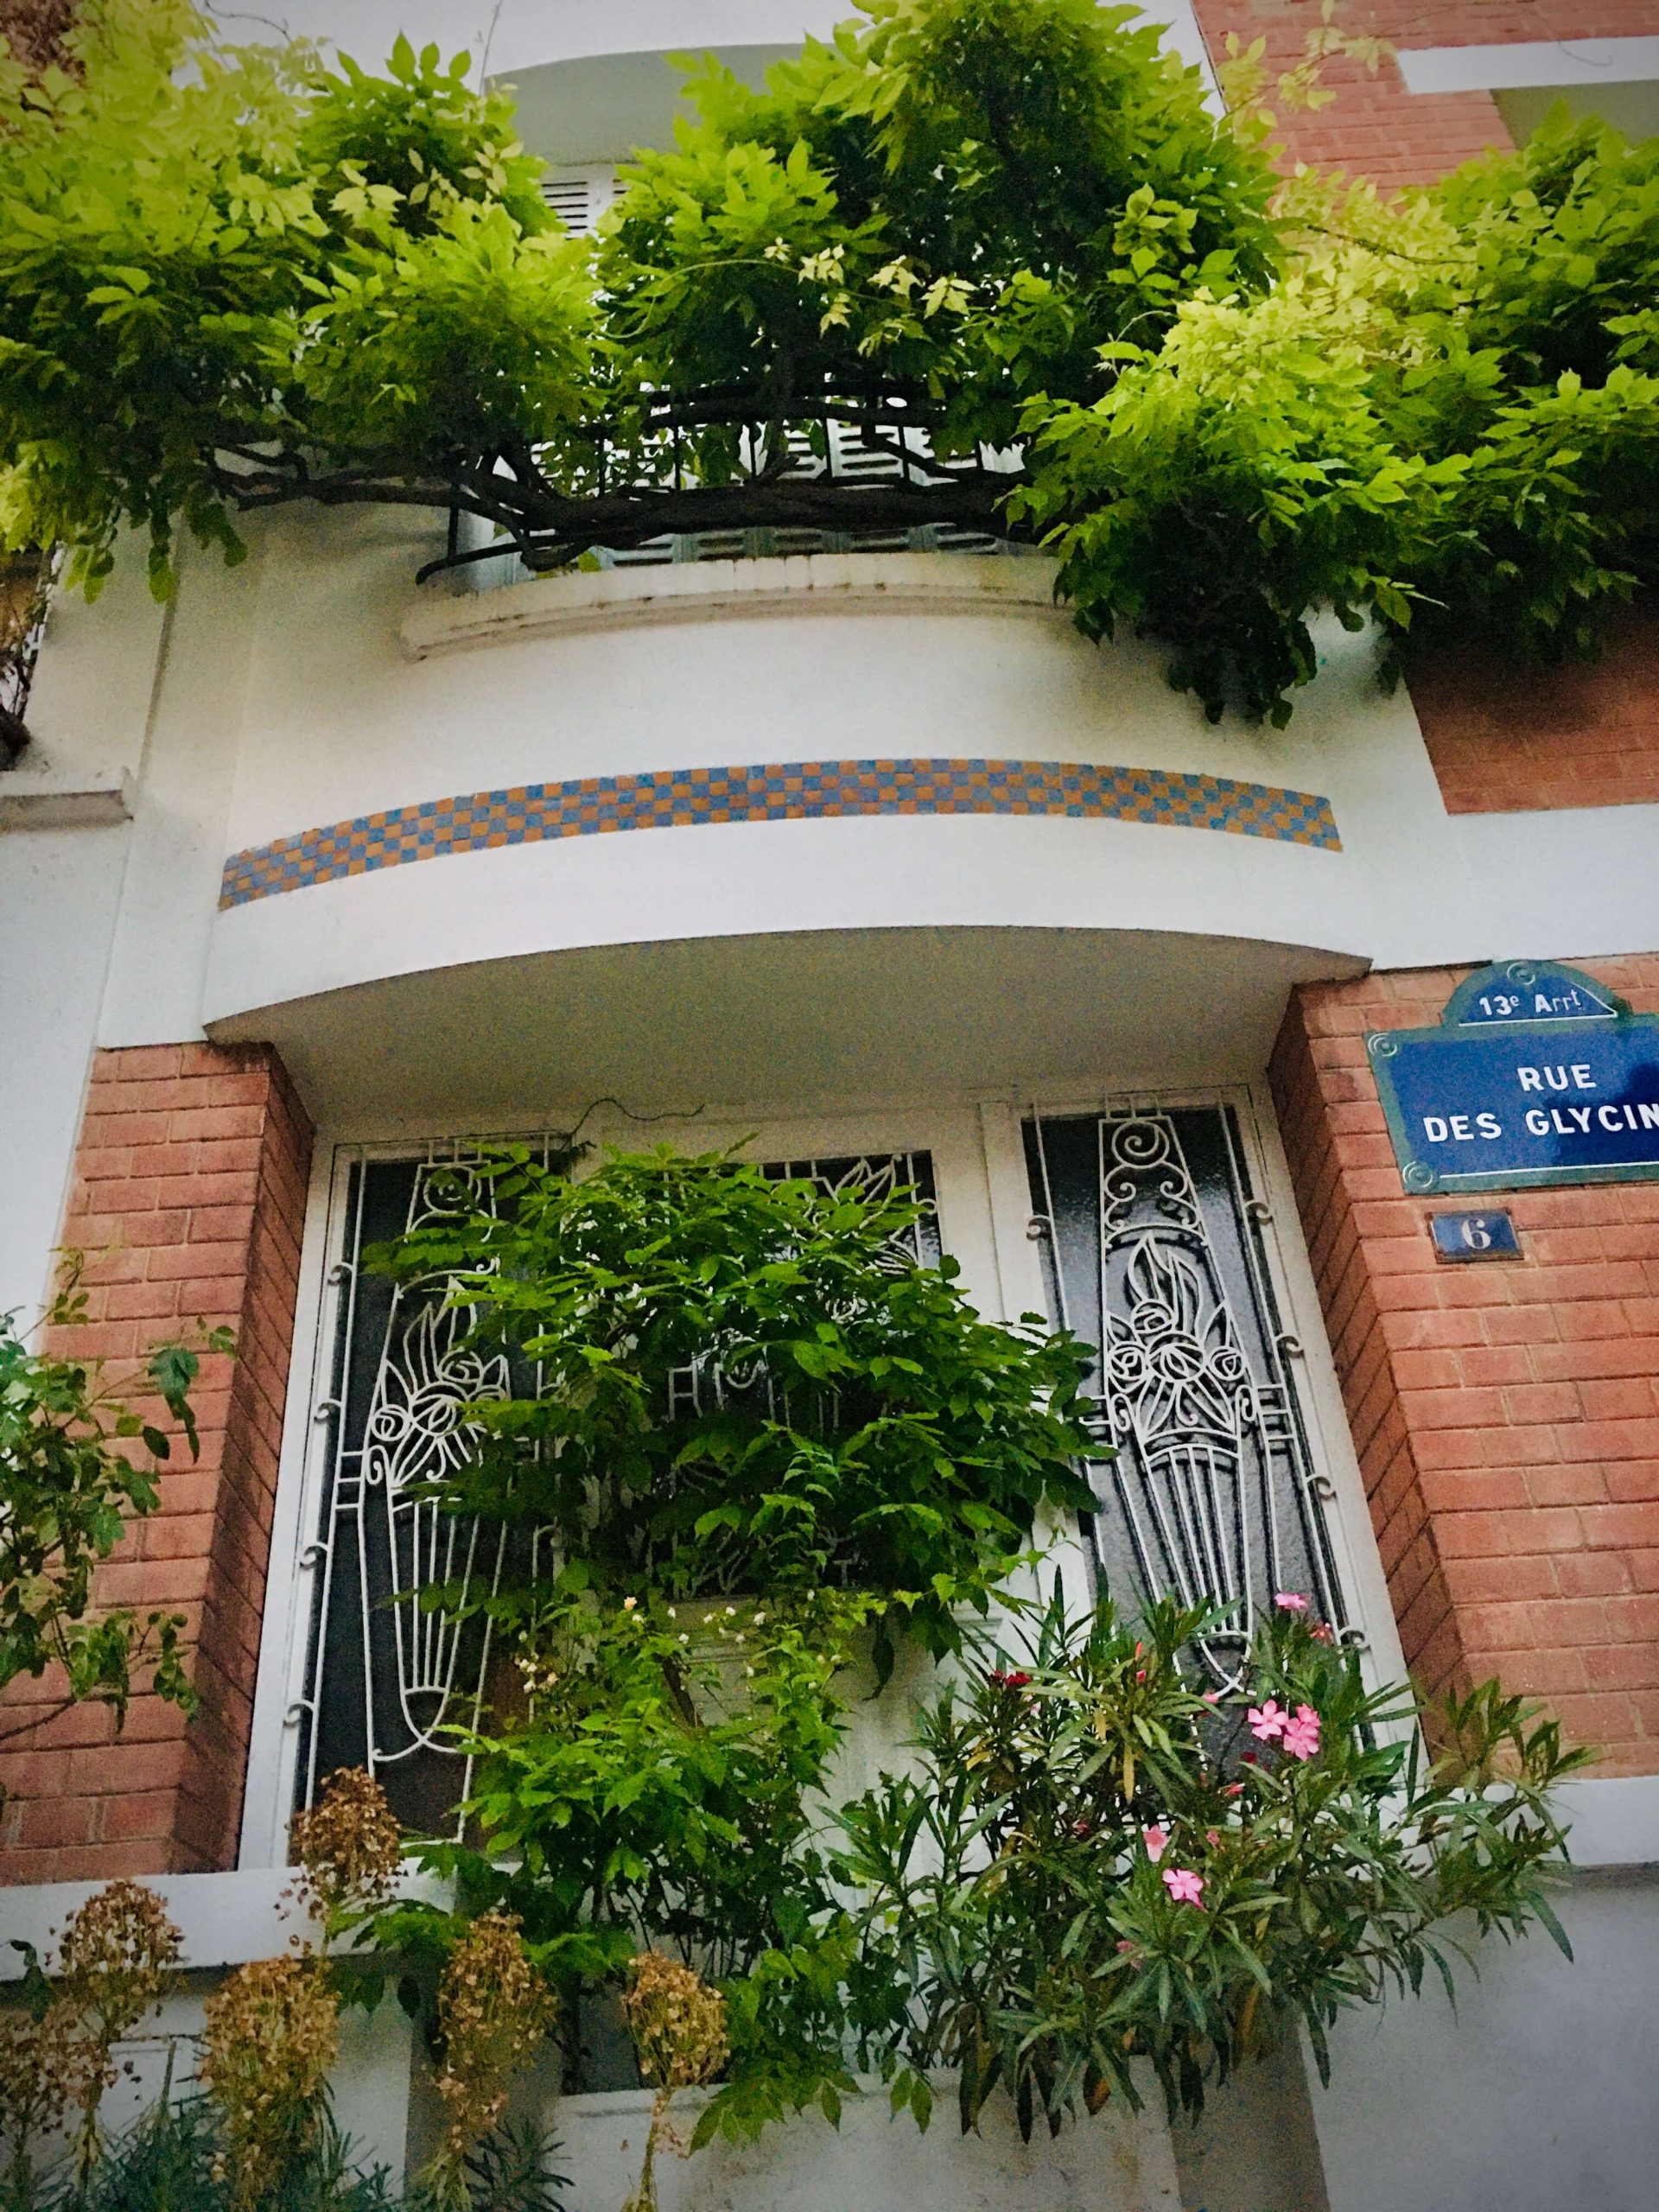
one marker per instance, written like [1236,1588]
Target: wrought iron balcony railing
[849,470]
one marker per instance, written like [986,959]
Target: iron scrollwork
[420,1670]
[411,1671]
[417,1433]
[1211,1494]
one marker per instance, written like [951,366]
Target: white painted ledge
[227,1919]
[707,591]
[223,1920]
[1614,1820]
[1529,62]
[65,798]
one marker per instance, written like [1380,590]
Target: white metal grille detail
[415,1672]
[390,1676]
[1212,1495]
[416,1433]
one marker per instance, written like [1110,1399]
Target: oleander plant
[1099,1872]
[1003,244]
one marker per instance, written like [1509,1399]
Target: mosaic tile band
[799,791]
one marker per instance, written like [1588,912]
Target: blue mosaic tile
[796,790]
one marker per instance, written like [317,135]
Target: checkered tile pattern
[800,790]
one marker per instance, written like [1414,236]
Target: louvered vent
[579,197]
[568,197]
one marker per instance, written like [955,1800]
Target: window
[386,1675]
[1152,1244]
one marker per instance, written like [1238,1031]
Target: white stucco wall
[362,694]
[58,894]
[315,683]
[1120,2162]
[1536,2094]
[60,888]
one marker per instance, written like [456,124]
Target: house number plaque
[1459,1236]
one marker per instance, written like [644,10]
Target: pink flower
[1212,1697]
[1183,1885]
[1301,1735]
[1211,1838]
[1268,1720]
[1320,1632]
[1157,1842]
[1290,1601]
[1234,1789]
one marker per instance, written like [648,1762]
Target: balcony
[776,826]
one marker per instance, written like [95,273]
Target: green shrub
[229,277]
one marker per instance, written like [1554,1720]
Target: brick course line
[801,791]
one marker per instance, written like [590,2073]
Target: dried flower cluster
[678,2026]
[272,2032]
[677,2023]
[494,2010]
[45,2070]
[114,1958]
[347,1846]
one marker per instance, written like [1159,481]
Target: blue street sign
[1537,1075]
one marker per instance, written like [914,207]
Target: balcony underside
[789,1018]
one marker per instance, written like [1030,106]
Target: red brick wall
[1506,1416]
[1375,125]
[188,1200]
[1507,738]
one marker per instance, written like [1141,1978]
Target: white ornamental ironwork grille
[389,1674]
[1153,1244]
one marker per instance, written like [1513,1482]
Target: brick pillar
[1506,1416]
[189,1201]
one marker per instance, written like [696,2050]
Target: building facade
[865,858]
